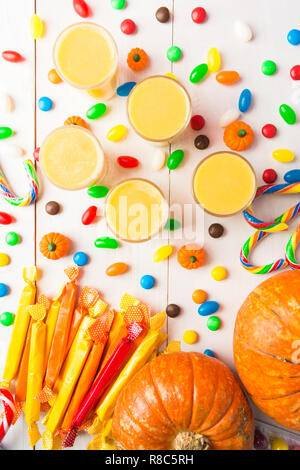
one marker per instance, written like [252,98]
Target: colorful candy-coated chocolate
[118,4]
[243,31]
[213,60]
[52,208]
[173,310]
[53,77]
[279,444]
[36,154]
[201,142]
[268,67]
[80,258]
[125,88]
[209,352]
[198,73]
[147,281]
[7,318]
[98,191]
[293,37]
[106,242]
[116,269]
[269,131]
[45,103]
[96,111]
[245,100]
[12,56]
[5,132]
[229,116]
[260,440]
[216,230]
[36,27]
[199,296]
[3,289]
[89,215]
[4,259]
[190,337]
[116,133]
[12,238]
[227,77]
[81,8]
[174,53]
[213,323]
[269,176]
[208,308]
[287,113]
[219,273]
[128,162]
[198,15]
[162,14]
[197,122]
[159,159]
[162,253]
[283,155]
[175,159]
[295,72]
[5,218]
[292,176]
[172,224]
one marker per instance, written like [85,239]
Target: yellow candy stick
[51,323]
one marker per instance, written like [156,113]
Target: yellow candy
[219,273]
[213,60]
[283,155]
[171,75]
[116,133]
[36,27]
[162,253]
[279,444]
[4,259]
[190,337]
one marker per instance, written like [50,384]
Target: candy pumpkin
[75,121]
[191,256]
[238,136]
[266,347]
[183,401]
[137,59]
[54,245]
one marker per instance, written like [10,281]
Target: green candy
[5,132]
[98,191]
[268,67]
[12,238]
[172,224]
[213,323]
[174,53]
[198,73]
[96,111]
[7,318]
[175,159]
[118,4]
[287,113]
[106,242]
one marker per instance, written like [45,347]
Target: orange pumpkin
[75,121]
[191,256]
[54,245]
[238,136]
[266,347]
[183,401]
[137,59]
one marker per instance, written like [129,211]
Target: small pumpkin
[137,59]
[191,256]
[75,121]
[238,136]
[54,245]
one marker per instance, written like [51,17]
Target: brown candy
[201,142]
[172,310]
[216,230]
[52,207]
[162,15]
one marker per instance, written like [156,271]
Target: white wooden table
[27,82]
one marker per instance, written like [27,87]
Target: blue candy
[245,100]
[147,281]
[208,308]
[3,290]
[294,37]
[292,176]
[80,258]
[125,89]
[209,352]
[45,103]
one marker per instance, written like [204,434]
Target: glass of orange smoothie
[85,56]
[224,183]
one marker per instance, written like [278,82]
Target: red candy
[89,215]
[36,154]
[269,176]
[127,162]
[295,72]
[197,122]
[198,15]
[269,131]
[5,219]
[128,26]
[12,56]
[81,8]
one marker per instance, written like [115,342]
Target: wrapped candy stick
[21,387]
[7,410]
[51,324]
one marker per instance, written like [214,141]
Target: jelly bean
[198,15]
[118,4]
[12,238]
[260,440]
[159,159]
[198,73]
[89,215]
[269,176]
[175,159]
[201,142]
[269,131]
[245,100]
[213,59]
[36,154]
[127,162]
[147,281]
[116,269]
[227,77]
[162,253]
[171,75]
[98,191]
[292,176]
[197,122]
[243,31]
[173,310]
[81,8]
[279,444]
[219,273]
[106,242]
[283,155]
[5,132]
[268,67]
[5,219]
[96,111]
[128,26]
[7,318]
[12,150]
[36,27]
[293,37]
[209,352]
[80,258]
[199,296]
[295,72]
[174,53]
[53,77]
[216,230]
[172,224]
[4,259]
[12,56]
[287,113]
[125,89]
[116,133]
[7,103]
[213,323]
[190,337]
[45,103]
[208,308]
[229,116]
[3,289]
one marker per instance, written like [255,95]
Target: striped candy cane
[7,411]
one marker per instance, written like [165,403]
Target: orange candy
[116,269]
[227,77]
[199,296]
[53,77]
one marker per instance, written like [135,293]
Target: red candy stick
[81,8]
[127,162]
[5,219]
[7,411]
[12,56]
[89,215]
[104,379]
